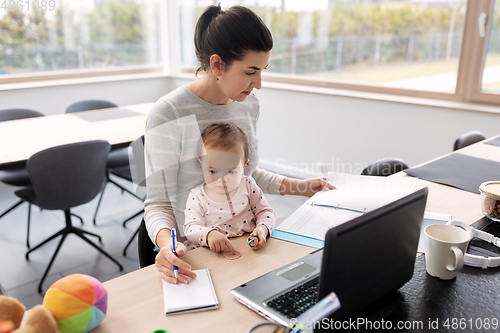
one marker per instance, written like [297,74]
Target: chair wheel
[27,256]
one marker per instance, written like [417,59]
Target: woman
[233,48]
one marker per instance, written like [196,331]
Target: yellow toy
[40,319]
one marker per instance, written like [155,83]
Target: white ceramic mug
[445,246]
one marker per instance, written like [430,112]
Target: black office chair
[90,104]
[124,173]
[385,167]
[134,173]
[17,175]
[117,157]
[467,139]
[64,177]
[147,254]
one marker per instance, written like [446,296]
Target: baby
[228,203]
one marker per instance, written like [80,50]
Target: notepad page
[199,293]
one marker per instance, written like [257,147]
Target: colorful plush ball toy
[252,241]
[78,302]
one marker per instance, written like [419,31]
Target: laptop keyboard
[296,301]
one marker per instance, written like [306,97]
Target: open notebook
[354,195]
[198,295]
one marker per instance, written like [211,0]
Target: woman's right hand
[166,259]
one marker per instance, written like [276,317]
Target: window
[405,47]
[419,48]
[490,81]
[39,36]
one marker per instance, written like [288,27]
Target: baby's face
[222,170]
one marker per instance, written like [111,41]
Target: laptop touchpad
[296,271]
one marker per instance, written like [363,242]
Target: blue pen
[174,242]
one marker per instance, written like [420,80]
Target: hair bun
[218,11]
[214,10]
[230,35]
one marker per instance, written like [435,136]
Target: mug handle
[459,260]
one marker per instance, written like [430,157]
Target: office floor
[20,278]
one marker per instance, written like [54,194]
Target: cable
[266,323]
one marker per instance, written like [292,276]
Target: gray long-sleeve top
[172,148]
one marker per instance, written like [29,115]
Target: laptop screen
[372,255]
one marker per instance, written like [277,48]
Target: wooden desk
[22,138]
[136,299]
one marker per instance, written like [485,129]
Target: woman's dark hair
[225,136]
[230,34]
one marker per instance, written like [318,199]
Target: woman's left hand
[306,187]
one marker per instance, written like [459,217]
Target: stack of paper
[198,295]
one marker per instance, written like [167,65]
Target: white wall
[345,134]
[54,100]
[302,129]
[348,133]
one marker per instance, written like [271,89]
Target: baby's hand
[217,242]
[261,233]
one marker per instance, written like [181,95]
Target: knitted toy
[40,320]
[78,303]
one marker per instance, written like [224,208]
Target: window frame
[77,74]
[471,79]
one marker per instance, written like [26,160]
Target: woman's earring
[217,79]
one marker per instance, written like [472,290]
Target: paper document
[353,196]
[363,193]
[314,221]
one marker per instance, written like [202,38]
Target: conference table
[135,300]
[19,139]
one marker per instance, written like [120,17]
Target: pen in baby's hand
[174,242]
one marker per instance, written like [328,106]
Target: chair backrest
[69,175]
[137,162]
[467,139]
[385,167]
[19,112]
[147,254]
[90,104]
